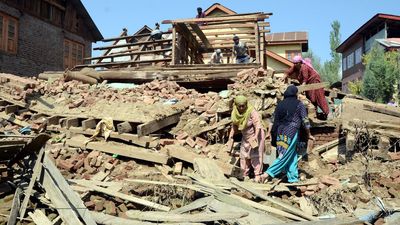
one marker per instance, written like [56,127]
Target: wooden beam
[14,212]
[174,53]
[155,125]
[37,169]
[62,185]
[122,35]
[132,44]
[201,35]
[130,54]
[309,87]
[57,198]
[144,141]
[388,110]
[230,32]
[123,196]
[255,17]
[11,118]
[119,149]
[263,24]
[227,26]
[71,122]
[182,218]
[89,124]
[185,32]
[265,31]
[141,49]
[131,36]
[285,206]
[40,218]
[257,42]
[131,62]
[322,148]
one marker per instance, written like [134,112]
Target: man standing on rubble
[246,120]
[216,57]
[240,51]
[304,72]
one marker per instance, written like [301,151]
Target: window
[290,54]
[73,54]
[344,64]
[358,55]
[8,33]
[350,60]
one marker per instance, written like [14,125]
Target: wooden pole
[257,35]
[173,45]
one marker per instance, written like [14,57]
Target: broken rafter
[133,44]
[130,54]
[255,17]
[201,35]
[131,36]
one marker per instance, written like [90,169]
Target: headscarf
[238,119]
[306,61]
[286,109]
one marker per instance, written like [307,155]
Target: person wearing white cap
[217,57]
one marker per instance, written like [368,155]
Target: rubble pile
[175,160]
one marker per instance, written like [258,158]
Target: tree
[332,68]
[382,73]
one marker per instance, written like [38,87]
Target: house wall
[40,45]
[281,49]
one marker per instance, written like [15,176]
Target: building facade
[379,27]
[44,35]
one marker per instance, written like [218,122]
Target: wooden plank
[122,35]
[72,197]
[133,44]
[130,53]
[257,35]
[37,169]
[388,110]
[263,24]
[124,127]
[40,218]
[156,125]
[131,36]
[173,61]
[230,32]
[14,212]
[144,141]
[89,124]
[152,182]
[285,206]
[208,169]
[57,198]
[188,36]
[119,149]
[179,218]
[130,62]
[123,196]
[217,19]
[227,26]
[141,49]
[197,204]
[102,218]
[322,148]
[201,35]
[338,221]
[309,87]
[188,155]
[265,31]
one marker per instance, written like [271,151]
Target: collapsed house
[77,148]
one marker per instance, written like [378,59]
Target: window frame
[290,54]
[350,60]
[344,63]
[358,51]
[74,47]
[5,34]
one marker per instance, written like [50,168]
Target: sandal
[263,178]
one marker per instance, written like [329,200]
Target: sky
[313,16]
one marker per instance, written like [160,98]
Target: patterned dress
[287,139]
[308,75]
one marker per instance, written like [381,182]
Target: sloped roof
[279,58]
[358,33]
[284,38]
[217,6]
[390,42]
[95,32]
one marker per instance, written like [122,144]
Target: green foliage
[381,74]
[355,87]
[330,70]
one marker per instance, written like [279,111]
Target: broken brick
[201,142]
[64,164]
[182,136]
[190,142]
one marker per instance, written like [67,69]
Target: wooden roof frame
[223,8]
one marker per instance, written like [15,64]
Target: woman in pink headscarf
[303,71]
